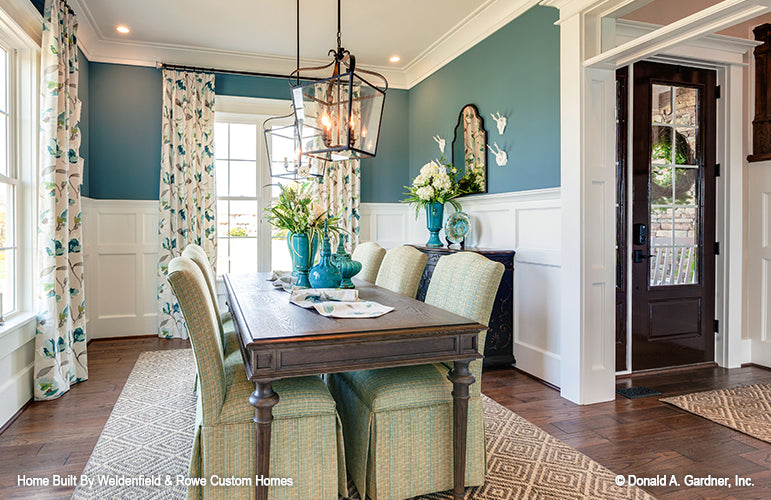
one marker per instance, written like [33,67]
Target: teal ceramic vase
[348,268]
[302,253]
[325,274]
[434,223]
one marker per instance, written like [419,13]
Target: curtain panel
[60,340]
[339,191]
[187,194]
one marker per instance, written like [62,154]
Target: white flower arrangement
[433,184]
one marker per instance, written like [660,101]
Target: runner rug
[746,409]
[150,433]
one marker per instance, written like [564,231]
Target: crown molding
[485,20]
[627,30]
[26,16]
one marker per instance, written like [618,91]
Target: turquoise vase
[434,222]
[325,274]
[302,256]
[348,268]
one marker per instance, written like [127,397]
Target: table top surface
[266,317]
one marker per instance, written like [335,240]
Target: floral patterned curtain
[339,191]
[187,198]
[60,340]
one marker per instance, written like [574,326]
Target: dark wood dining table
[281,340]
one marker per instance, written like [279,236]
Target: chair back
[370,254]
[402,269]
[189,285]
[465,283]
[198,255]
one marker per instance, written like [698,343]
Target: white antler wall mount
[501,158]
[500,122]
[441,142]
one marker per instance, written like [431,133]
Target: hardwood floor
[645,437]
[57,437]
[642,437]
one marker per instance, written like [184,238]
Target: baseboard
[544,382]
[755,365]
[671,369]
[15,416]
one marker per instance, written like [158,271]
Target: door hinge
[717,248]
[717,170]
[717,92]
[717,326]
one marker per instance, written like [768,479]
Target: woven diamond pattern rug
[150,433]
[746,409]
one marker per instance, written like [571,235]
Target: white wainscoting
[525,221]
[121,253]
[759,262]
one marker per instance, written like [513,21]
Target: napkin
[283,279]
[337,303]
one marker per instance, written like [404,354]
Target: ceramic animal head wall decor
[501,158]
[500,122]
[441,142]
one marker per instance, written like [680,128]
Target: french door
[673,216]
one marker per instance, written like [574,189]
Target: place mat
[337,303]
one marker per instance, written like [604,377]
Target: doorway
[672,242]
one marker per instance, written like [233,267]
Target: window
[8,188]
[245,241]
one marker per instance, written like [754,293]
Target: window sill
[16,321]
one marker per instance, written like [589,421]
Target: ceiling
[260,35]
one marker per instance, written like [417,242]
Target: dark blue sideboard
[499,347]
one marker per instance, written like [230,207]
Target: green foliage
[296,212]
[238,232]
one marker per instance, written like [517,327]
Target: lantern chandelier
[283,140]
[338,118]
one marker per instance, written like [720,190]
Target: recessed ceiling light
[122,29]
[395,59]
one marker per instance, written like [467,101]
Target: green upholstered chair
[401,270]
[306,438]
[397,422]
[224,321]
[370,254]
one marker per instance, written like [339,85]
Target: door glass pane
[687,104]
[674,186]
[662,104]
[243,178]
[243,219]
[687,152]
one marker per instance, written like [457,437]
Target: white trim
[705,22]
[26,17]
[478,25]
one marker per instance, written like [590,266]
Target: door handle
[639,256]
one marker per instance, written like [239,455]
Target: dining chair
[397,422]
[224,321]
[401,270]
[306,436]
[370,254]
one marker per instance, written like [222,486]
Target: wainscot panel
[121,255]
[525,221]
[759,263]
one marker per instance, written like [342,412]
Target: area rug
[746,409]
[150,433]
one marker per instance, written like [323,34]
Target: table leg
[461,379]
[263,399]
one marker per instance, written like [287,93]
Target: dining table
[279,340]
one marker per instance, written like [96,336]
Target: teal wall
[515,71]
[125,132]
[83,94]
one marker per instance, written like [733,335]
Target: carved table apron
[280,340]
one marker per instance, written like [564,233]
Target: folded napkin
[337,303]
[283,279]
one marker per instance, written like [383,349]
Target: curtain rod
[200,69]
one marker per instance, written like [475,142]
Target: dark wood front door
[673,216]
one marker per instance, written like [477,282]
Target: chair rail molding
[528,222]
[121,255]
